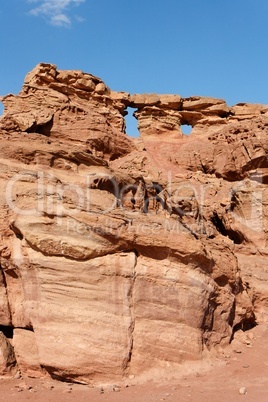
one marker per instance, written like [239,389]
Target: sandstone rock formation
[120,254]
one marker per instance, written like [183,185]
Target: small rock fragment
[242,391]
[237,351]
[116,388]
[17,376]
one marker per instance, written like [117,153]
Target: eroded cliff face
[119,255]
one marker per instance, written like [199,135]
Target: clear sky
[215,48]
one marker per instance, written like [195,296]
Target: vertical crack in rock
[2,273]
[132,314]
[246,150]
[208,320]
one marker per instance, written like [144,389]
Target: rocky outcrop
[8,366]
[120,255]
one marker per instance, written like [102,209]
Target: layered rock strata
[120,254]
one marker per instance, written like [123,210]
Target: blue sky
[215,48]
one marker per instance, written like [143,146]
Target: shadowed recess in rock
[7,331]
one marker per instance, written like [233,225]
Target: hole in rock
[43,129]
[244,326]
[1,108]
[235,236]
[186,129]
[7,331]
[131,123]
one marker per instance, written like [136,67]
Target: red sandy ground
[243,364]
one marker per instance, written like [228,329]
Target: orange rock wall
[120,255]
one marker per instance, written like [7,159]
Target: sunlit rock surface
[120,255]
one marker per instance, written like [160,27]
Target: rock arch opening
[131,123]
[186,129]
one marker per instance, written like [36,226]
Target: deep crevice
[29,328]
[16,231]
[235,236]
[7,331]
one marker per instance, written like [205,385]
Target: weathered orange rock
[27,355]
[8,364]
[120,255]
